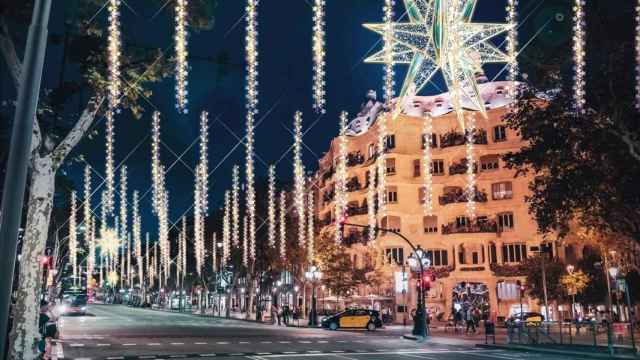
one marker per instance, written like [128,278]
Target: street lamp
[418,261]
[572,292]
[313,275]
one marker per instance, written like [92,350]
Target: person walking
[469,320]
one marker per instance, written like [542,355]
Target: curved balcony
[460,196]
[453,138]
[461,167]
[353,184]
[354,159]
[475,227]
[328,196]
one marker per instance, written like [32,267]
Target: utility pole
[21,136]
[544,281]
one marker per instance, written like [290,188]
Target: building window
[502,190]
[474,258]
[392,194]
[371,151]
[514,253]
[462,221]
[389,142]
[489,162]
[395,255]
[416,168]
[391,166]
[434,140]
[499,133]
[430,224]
[438,257]
[437,167]
[493,253]
[505,221]
[391,223]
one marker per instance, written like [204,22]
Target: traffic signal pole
[15,181]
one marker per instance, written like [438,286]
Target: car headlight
[84,308]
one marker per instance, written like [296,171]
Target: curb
[554,351]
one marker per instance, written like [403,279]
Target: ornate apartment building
[471,257]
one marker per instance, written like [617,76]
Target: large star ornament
[441,36]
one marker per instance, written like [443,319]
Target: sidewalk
[569,350]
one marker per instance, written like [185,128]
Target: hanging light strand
[245,241]
[271,215]
[319,56]
[310,227]
[214,253]
[235,209]
[512,46]
[124,221]
[426,166]
[197,216]
[136,233]
[108,163]
[389,73]
[89,223]
[251,49]
[371,206]
[156,171]
[381,163]
[114,48]
[73,238]
[182,53]
[226,246]
[283,225]
[471,166]
[298,177]
[579,51]
[341,178]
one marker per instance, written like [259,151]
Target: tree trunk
[24,334]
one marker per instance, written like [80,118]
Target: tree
[586,166]
[554,270]
[57,130]
[596,291]
[575,282]
[338,273]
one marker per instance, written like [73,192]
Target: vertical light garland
[282,210]
[235,203]
[512,41]
[163,230]
[73,238]
[183,250]
[182,53]
[89,223]
[579,51]
[426,166]
[371,206]
[114,48]
[214,253]
[226,246]
[389,73]
[108,162]
[156,172]
[251,48]
[197,216]
[136,230]
[201,194]
[319,55]
[471,176]
[298,177]
[341,178]
[637,44]
[146,262]
[245,241]
[310,227]
[381,165]
[124,221]
[129,267]
[271,215]
[204,162]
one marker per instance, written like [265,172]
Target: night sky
[285,86]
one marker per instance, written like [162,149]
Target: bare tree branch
[79,129]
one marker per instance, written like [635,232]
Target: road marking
[322,342]
[76,345]
[284,342]
[101,345]
[264,353]
[115,358]
[208,355]
[200,343]
[337,351]
[147,357]
[290,352]
[177,343]
[128,344]
[382,350]
[222,343]
[236,354]
[244,342]
[153,344]
[265,342]
[342,341]
[417,356]
[177,356]
[314,351]
[304,342]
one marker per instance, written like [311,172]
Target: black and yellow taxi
[353,319]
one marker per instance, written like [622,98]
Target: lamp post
[418,261]
[572,292]
[313,275]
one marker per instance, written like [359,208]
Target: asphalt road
[120,332]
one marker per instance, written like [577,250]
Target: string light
[371,206]
[283,225]
[146,261]
[226,246]
[197,221]
[389,73]
[214,252]
[201,194]
[471,176]
[136,230]
[271,216]
[426,166]
[381,165]
[129,267]
[108,164]
[512,45]
[235,210]
[182,52]
[310,228]
[579,36]
[319,55]
[114,46]
[89,223]
[245,242]
[73,238]
[156,172]
[298,177]
[637,43]
[163,229]
[251,49]
[183,250]
[341,177]
[124,221]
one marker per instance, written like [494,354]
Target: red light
[44,260]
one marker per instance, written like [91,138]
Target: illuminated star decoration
[441,36]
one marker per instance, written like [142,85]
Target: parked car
[77,306]
[528,318]
[353,319]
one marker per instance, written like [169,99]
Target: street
[120,332]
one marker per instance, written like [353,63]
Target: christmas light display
[156,172]
[235,203]
[637,43]
[163,230]
[136,232]
[282,210]
[381,166]
[108,163]
[579,52]
[298,177]
[426,166]
[226,246]
[89,222]
[124,220]
[371,206]
[251,49]
[201,194]
[310,227]
[214,253]
[341,177]
[146,262]
[197,222]
[183,251]
[512,42]
[441,36]
[471,176]
[114,51]
[245,242]
[389,73]
[182,52]
[271,215]
[319,55]
[73,238]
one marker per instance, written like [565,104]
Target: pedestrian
[285,315]
[469,320]
[280,314]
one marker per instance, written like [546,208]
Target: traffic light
[426,281]
[521,288]
[44,260]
